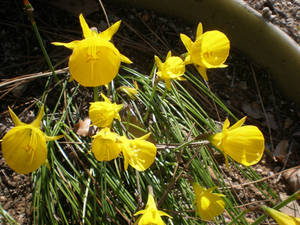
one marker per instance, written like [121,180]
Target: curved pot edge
[248,31]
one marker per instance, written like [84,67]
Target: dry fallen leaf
[292,177]
[281,150]
[135,127]
[253,110]
[83,128]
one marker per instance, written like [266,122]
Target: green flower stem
[164,94]
[235,219]
[150,102]
[293,197]
[29,10]
[85,197]
[96,94]
[7,217]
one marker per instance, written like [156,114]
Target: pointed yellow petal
[226,161]
[180,78]
[222,66]
[186,41]
[124,59]
[145,137]
[168,84]
[85,27]
[158,62]
[188,60]
[199,31]
[47,164]
[202,71]
[238,123]
[150,202]
[105,98]
[109,32]
[169,55]
[70,45]
[14,117]
[211,189]
[161,213]
[140,212]
[226,124]
[136,85]
[150,215]
[37,122]
[125,150]
[54,138]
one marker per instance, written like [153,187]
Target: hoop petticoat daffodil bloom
[105,145]
[209,50]
[95,60]
[24,147]
[208,204]
[172,69]
[244,144]
[281,218]
[138,153]
[150,215]
[131,92]
[103,113]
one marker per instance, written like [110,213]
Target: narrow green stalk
[86,196]
[7,217]
[150,102]
[96,94]
[164,94]
[29,10]
[293,197]
[235,219]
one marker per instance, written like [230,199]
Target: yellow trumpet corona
[208,204]
[95,60]
[24,146]
[244,144]
[209,50]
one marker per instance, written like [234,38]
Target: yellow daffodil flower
[281,218]
[208,204]
[131,92]
[95,60]
[105,145]
[172,69]
[209,50]
[244,144]
[150,215]
[24,147]
[103,113]
[138,153]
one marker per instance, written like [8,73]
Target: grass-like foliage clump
[154,157]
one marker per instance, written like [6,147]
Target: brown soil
[243,86]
